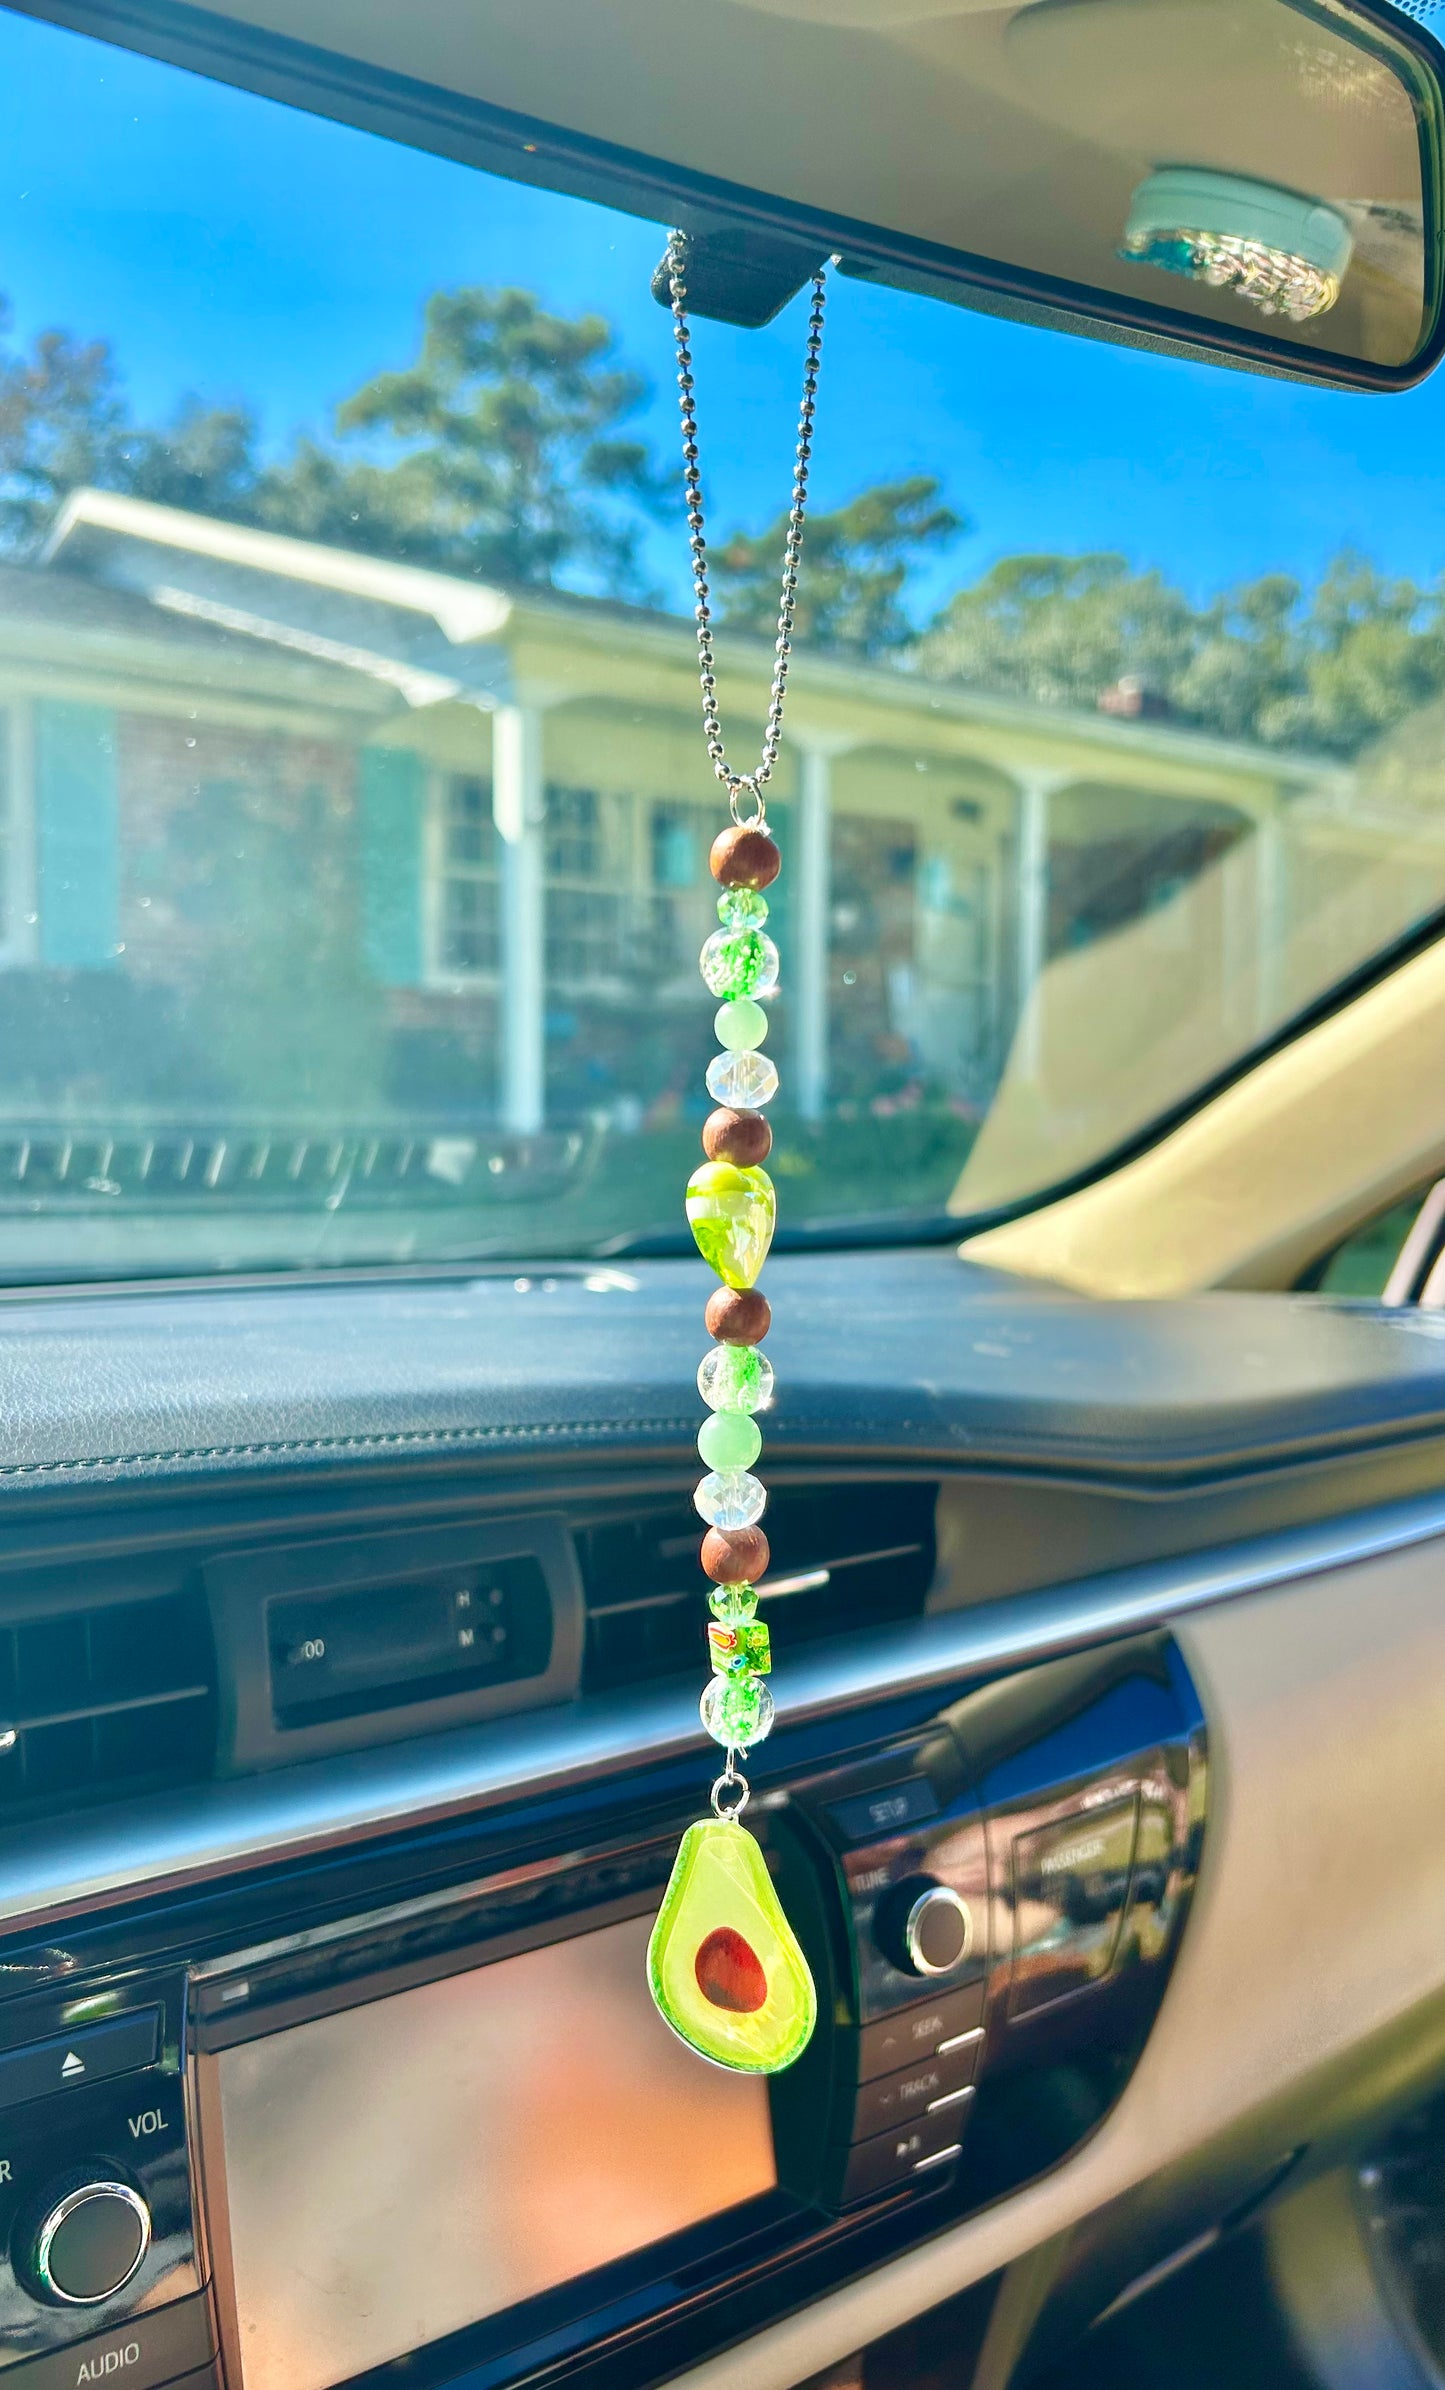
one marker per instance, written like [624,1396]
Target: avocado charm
[724,1964]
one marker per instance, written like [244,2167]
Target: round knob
[926,1928]
[91,2236]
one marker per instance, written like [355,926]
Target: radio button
[892,2099]
[89,2243]
[894,2042]
[68,2061]
[891,2159]
[873,1816]
[1070,1881]
[152,2348]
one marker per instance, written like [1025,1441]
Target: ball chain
[741,784]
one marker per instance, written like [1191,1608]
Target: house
[293,839]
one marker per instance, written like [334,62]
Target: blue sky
[234,249]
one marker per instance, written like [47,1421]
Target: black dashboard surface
[905,1359]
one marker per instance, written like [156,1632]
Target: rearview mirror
[1254,178]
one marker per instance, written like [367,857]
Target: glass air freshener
[724,1965]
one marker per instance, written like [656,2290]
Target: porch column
[808,975]
[519,810]
[1031,918]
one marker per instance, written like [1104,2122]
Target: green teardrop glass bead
[731,1213]
[724,1964]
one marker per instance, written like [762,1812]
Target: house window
[682,892]
[469,927]
[590,914]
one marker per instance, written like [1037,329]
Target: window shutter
[77,835]
[392,801]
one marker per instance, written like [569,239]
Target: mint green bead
[730,1440]
[741,1025]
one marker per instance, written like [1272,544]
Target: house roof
[432,635]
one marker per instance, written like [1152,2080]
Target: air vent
[844,1557]
[99,1703]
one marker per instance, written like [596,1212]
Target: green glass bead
[732,1605]
[729,1440]
[740,962]
[757,1647]
[732,1213]
[736,1377]
[724,1964]
[737,1711]
[725,1648]
[736,1648]
[742,908]
[741,1025]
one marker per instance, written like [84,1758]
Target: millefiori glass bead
[740,1025]
[731,1213]
[736,1377]
[740,962]
[735,1647]
[730,1498]
[746,1081]
[729,1440]
[742,908]
[732,1605]
[737,1711]
[725,1648]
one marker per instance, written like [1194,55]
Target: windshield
[354,807]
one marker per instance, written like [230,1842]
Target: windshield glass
[354,808]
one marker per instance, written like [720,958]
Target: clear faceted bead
[736,1377]
[742,908]
[740,962]
[737,1711]
[746,1081]
[730,1498]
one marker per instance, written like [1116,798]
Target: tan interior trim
[1319,1922]
[1282,1165]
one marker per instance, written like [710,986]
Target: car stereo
[448,2133]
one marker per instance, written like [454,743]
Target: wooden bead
[741,1137]
[738,1315]
[735,1555]
[744,859]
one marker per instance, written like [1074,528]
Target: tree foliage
[858,561]
[496,453]
[501,452]
[1268,661]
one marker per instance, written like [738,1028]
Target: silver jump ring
[757,819]
[731,1780]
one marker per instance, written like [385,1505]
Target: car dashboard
[350,1720]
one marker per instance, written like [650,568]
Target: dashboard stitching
[542,1432]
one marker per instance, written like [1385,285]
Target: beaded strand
[732,1210]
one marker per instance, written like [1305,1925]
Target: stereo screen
[403,2169]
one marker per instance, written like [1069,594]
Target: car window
[354,811]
